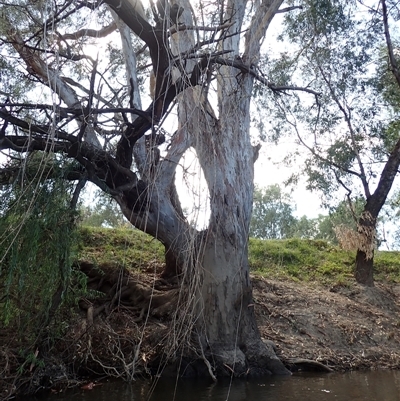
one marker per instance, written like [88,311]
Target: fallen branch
[307,365]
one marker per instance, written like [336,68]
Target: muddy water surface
[355,386]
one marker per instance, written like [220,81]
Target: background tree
[89,113]
[341,220]
[391,229]
[104,213]
[348,132]
[272,216]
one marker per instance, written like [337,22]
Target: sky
[269,169]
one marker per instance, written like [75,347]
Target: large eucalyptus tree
[203,61]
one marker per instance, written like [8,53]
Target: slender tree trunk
[364,266]
[368,219]
[364,272]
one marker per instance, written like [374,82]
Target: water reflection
[355,386]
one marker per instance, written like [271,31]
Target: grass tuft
[125,247]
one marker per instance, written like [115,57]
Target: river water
[354,386]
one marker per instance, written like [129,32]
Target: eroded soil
[343,327]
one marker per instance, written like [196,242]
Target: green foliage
[273,217]
[323,17]
[38,234]
[340,215]
[347,131]
[386,84]
[306,228]
[384,80]
[31,361]
[387,266]
[392,216]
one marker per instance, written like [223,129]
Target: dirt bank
[119,335]
[342,327]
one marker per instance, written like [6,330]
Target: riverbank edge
[312,327]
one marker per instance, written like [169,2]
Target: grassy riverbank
[305,299]
[293,259]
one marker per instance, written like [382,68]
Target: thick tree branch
[347,118]
[101,33]
[63,112]
[180,143]
[102,169]
[183,27]
[287,9]
[75,196]
[389,172]
[130,62]
[258,28]
[136,22]
[238,63]
[393,63]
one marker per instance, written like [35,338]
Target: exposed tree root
[117,288]
[172,350]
